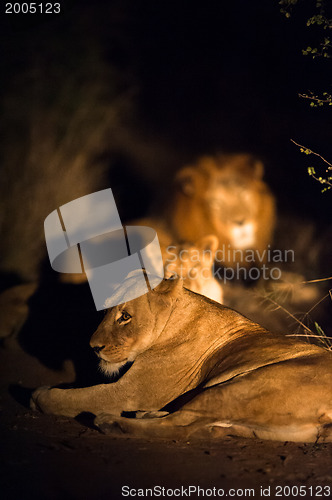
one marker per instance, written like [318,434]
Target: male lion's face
[228,190]
[234,206]
[131,328]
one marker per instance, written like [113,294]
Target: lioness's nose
[98,348]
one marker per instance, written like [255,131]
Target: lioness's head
[132,327]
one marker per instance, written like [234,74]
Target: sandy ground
[50,457]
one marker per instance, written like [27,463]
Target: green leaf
[318,329]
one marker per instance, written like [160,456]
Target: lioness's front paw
[108,424]
[38,398]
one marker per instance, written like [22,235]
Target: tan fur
[216,371]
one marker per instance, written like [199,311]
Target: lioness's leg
[284,401]
[130,393]
[72,402]
[179,425]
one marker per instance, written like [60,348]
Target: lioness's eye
[125,316]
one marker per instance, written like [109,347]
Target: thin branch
[313,152]
[315,98]
[305,335]
[315,281]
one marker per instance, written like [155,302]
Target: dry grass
[58,124]
[285,291]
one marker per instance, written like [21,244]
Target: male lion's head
[224,195]
[131,328]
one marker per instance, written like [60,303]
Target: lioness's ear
[208,243]
[171,286]
[258,169]
[185,180]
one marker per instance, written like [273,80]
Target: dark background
[204,76]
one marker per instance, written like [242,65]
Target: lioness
[214,370]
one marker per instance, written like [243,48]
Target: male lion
[212,369]
[223,195]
